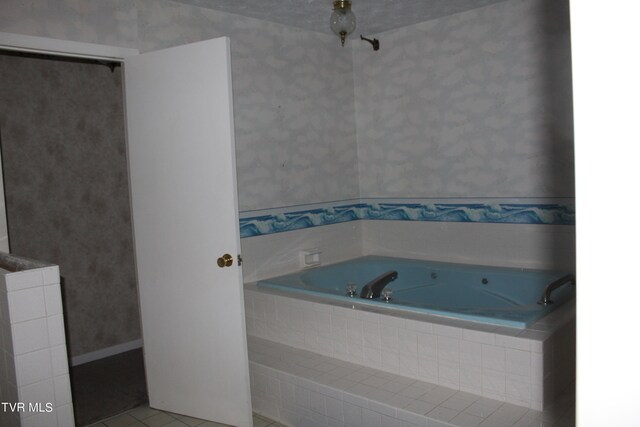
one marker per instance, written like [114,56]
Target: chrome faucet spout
[546,296]
[374,288]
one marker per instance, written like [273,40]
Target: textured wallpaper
[293,89]
[67,190]
[108,22]
[477,104]
[293,103]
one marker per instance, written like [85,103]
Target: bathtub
[491,295]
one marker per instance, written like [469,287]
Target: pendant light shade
[342,21]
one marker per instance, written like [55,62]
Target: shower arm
[375,42]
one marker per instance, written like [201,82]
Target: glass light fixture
[342,21]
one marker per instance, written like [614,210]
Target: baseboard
[105,352]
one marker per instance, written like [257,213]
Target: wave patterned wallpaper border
[272,221]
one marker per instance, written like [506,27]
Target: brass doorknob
[225,260]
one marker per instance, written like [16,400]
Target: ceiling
[372,16]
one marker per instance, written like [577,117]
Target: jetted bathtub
[499,296]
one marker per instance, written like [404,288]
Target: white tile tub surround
[276,254]
[302,388]
[550,247]
[34,369]
[524,367]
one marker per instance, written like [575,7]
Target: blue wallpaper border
[471,212]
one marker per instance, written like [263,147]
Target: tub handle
[546,296]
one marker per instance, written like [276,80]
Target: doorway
[67,202]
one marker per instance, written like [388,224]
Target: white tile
[41,392]
[368,318]
[466,420]
[380,402]
[354,395]
[419,407]
[355,353]
[441,413]
[39,420]
[513,342]
[4,306]
[388,338]
[412,417]
[372,357]
[371,418]
[33,367]
[447,331]
[483,407]
[470,353]
[449,373]
[375,381]
[325,344]
[448,349]
[334,408]
[478,336]
[510,413]
[388,421]
[352,415]
[53,299]
[400,401]
[343,312]
[372,339]
[27,304]
[21,280]
[427,345]
[537,368]
[394,386]
[340,349]
[51,275]
[357,376]
[460,401]
[471,378]
[62,390]
[390,361]
[59,362]
[437,395]
[395,322]
[413,391]
[407,341]
[30,335]
[428,368]
[408,365]
[355,327]
[493,383]
[518,362]
[493,357]
[317,403]
[418,326]
[55,326]
[339,327]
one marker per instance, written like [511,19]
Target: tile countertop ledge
[538,331]
[14,263]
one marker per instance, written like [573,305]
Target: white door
[185,216]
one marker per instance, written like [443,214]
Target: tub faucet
[373,289]
[546,296]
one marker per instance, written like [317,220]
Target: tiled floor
[149,417]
